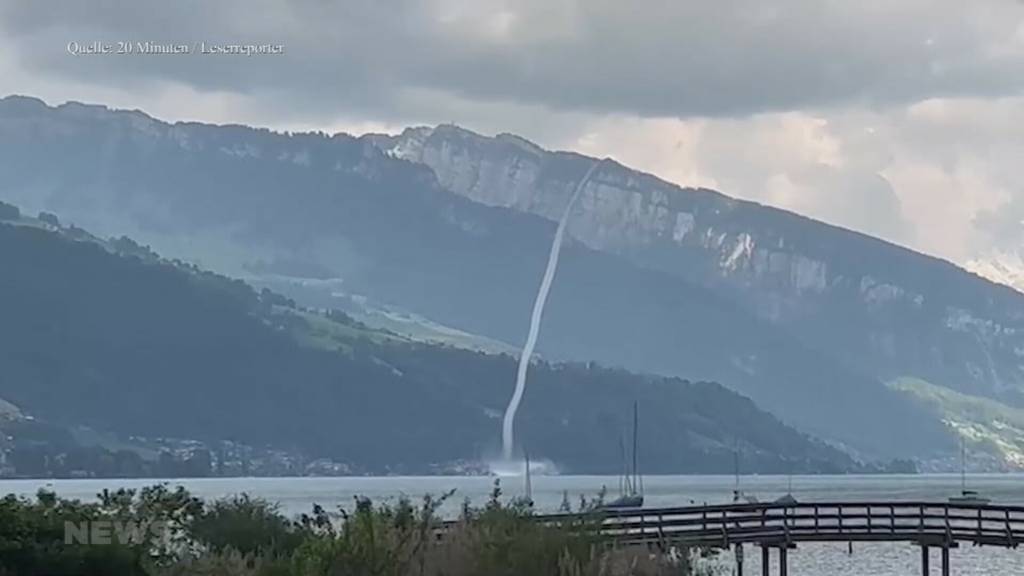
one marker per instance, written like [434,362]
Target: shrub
[244,536]
[245,525]
[32,541]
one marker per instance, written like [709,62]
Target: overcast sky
[900,118]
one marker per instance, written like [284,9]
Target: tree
[9,212]
[50,219]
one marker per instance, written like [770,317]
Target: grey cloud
[858,200]
[874,143]
[1004,227]
[653,58]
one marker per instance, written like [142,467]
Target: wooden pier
[780,527]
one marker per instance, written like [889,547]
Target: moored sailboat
[966,496]
[631,484]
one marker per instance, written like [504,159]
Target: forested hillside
[107,335]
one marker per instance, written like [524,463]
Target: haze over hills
[809,320]
[108,335]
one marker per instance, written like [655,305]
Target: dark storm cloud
[407,58]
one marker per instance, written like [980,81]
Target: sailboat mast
[635,429]
[624,476]
[963,466]
[529,486]
[736,469]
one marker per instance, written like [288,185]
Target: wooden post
[783,562]
[945,561]
[765,560]
[739,560]
[924,561]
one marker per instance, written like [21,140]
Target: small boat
[624,502]
[786,499]
[739,496]
[631,485]
[969,497]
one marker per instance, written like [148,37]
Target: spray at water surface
[507,436]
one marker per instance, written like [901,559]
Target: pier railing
[927,523]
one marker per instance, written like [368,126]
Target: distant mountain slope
[247,201]
[889,310]
[108,335]
[993,432]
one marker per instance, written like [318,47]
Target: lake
[296,495]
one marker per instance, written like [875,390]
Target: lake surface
[297,495]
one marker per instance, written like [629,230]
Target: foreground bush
[243,536]
[32,536]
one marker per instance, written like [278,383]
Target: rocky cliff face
[872,304]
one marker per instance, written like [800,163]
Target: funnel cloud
[507,431]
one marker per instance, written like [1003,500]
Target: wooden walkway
[782,526]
